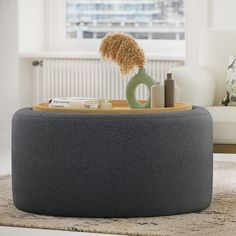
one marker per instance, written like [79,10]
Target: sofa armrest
[196,85]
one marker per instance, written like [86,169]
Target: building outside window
[143,19]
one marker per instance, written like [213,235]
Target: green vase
[140,78]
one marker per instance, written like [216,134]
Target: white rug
[219,219]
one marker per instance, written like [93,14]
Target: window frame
[56,36]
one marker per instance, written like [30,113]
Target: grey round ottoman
[112,165]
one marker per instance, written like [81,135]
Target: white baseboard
[5,140]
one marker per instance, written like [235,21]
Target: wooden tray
[119,107]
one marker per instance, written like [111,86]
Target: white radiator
[90,78]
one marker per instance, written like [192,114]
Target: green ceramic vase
[140,78]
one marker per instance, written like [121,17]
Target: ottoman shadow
[92,165]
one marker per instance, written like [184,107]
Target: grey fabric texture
[95,165]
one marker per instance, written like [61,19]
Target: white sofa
[205,85]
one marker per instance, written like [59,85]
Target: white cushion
[196,85]
[224,124]
[214,51]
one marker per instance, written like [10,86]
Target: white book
[75,102]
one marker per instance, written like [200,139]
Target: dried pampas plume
[124,50]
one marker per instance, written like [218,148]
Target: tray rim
[119,107]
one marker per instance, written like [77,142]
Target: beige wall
[31,25]
[22,30]
[223,14]
[9,68]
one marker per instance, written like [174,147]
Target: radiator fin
[91,78]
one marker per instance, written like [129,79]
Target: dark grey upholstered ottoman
[112,165]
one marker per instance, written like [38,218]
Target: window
[143,19]
[158,25]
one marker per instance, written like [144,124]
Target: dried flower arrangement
[124,50]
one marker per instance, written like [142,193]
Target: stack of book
[79,103]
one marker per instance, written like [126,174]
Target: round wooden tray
[119,107]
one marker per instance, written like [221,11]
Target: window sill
[87,55]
